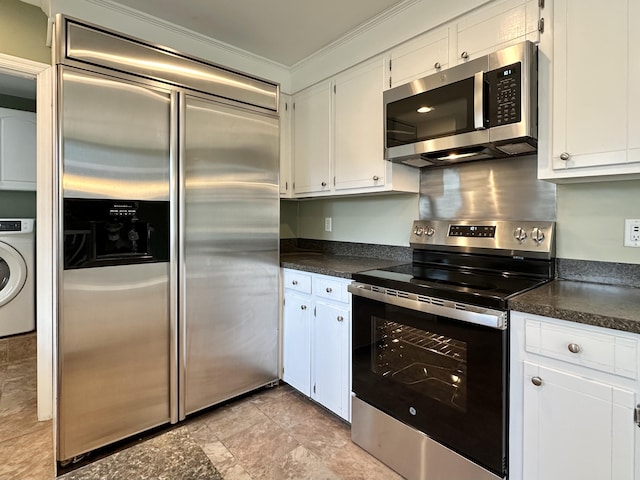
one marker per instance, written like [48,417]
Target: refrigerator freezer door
[230,262]
[114,328]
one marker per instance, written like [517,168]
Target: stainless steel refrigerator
[168,232]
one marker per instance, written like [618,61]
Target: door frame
[46,260]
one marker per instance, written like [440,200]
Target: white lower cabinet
[573,397]
[317,338]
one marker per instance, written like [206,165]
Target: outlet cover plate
[632,232]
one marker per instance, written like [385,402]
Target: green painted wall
[383,219]
[23,31]
[591,220]
[17,204]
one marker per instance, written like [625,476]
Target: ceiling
[284,31]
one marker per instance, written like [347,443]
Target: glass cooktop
[484,289]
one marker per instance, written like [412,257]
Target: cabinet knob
[303,307]
[376,178]
[324,184]
[574,348]
[537,381]
[295,282]
[565,156]
[464,55]
[340,318]
[437,66]
[329,290]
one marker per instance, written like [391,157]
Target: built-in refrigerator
[168,236]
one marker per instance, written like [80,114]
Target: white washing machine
[17,276]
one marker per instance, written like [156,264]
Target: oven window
[428,363]
[444,377]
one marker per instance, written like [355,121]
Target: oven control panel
[512,238]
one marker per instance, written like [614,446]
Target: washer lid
[13,273]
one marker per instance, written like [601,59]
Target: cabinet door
[330,353]
[359,156]
[494,27]
[297,341]
[312,139]
[17,150]
[286,186]
[420,57]
[591,115]
[576,428]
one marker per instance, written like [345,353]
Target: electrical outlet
[327,224]
[632,232]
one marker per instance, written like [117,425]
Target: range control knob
[418,230]
[429,231]
[520,234]
[537,235]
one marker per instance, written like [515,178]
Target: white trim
[45,304]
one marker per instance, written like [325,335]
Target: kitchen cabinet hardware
[437,65]
[636,415]
[574,348]
[295,282]
[565,156]
[541,25]
[340,318]
[464,55]
[329,290]
[537,381]
[376,178]
[303,307]
[541,3]
[324,184]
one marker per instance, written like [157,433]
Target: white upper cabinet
[338,137]
[286,180]
[312,118]
[593,73]
[17,150]
[359,158]
[419,57]
[494,27]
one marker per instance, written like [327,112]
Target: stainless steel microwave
[485,108]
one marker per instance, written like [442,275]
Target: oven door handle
[445,308]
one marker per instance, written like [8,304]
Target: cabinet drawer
[298,281]
[331,288]
[606,352]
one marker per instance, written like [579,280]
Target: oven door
[444,377]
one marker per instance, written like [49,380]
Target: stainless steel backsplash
[500,189]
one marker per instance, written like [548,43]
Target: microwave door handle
[478,101]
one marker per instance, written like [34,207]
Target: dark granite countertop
[609,306]
[330,264]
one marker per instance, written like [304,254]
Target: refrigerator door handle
[175,366]
[180,119]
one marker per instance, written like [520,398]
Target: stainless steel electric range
[430,347]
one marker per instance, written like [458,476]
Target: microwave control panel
[505,87]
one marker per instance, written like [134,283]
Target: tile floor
[275,434]
[26,445]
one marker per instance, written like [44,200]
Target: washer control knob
[537,235]
[418,230]
[520,234]
[429,231]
